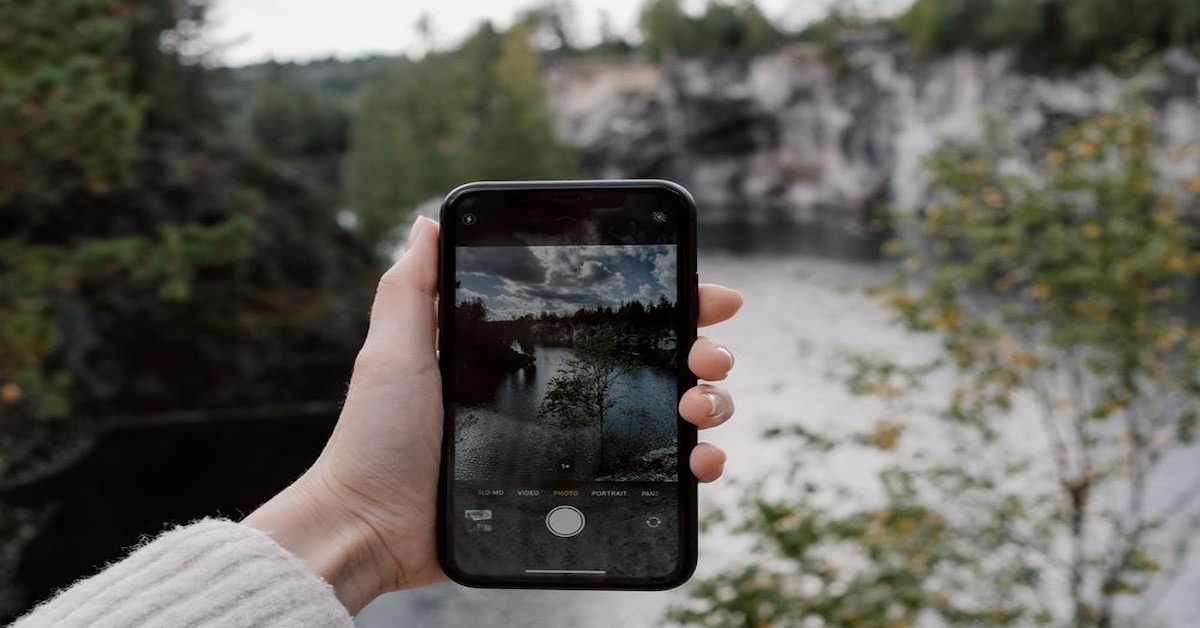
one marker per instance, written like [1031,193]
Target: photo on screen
[564,365]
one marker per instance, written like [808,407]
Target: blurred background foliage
[1060,295]
[150,263]
[1054,34]
[183,236]
[423,128]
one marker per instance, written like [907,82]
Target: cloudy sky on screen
[518,280]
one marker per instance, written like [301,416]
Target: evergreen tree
[167,60]
[666,30]
[67,119]
[516,137]
[610,42]
[718,29]
[67,127]
[286,119]
[1068,34]
[430,125]
[723,28]
[380,181]
[408,140]
[758,33]
[552,25]
[113,210]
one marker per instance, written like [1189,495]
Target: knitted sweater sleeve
[209,573]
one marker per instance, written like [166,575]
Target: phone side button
[565,521]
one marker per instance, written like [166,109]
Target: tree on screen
[580,396]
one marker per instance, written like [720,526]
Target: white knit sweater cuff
[209,573]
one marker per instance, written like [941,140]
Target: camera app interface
[565,395]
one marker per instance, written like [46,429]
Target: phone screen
[567,314]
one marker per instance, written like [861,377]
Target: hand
[363,516]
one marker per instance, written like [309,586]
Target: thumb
[404,315]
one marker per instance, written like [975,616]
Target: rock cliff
[800,132]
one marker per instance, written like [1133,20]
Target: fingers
[706,406]
[404,315]
[709,360]
[707,462]
[717,303]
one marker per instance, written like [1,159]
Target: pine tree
[67,120]
[666,30]
[67,127]
[517,138]
[477,112]
[289,120]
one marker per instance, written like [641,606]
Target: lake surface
[803,314]
[498,438]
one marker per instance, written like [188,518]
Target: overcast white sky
[248,31]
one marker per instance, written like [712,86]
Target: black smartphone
[567,310]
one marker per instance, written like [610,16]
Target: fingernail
[728,353]
[418,226]
[715,401]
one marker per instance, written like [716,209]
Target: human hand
[363,516]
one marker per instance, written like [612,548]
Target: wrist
[308,520]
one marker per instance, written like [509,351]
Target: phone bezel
[575,194]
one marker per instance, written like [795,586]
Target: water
[495,434]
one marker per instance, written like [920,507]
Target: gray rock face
[797,133]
